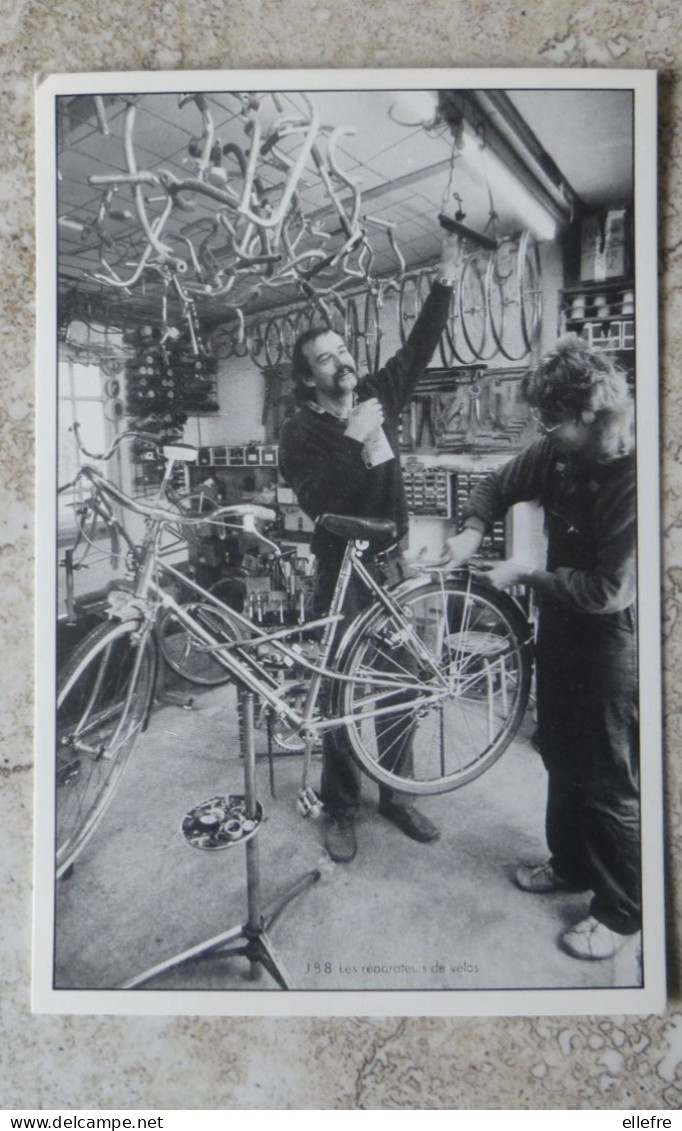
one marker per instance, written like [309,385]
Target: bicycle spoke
[457,713]
[102,705]
[473,306]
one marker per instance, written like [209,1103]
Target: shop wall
[241,395]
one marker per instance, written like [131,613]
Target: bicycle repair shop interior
[179,300]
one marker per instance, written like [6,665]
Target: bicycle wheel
[256,345]
[113,365]
[274,347]
[410,301]
[454,349]
[103,700]
[352,331]
[433,706]
[302,321]
[288,336]
[530,289]
[473,307]
[504,305]
[372,332]
[446,345]
[186,653]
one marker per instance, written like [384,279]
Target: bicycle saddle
[349,527]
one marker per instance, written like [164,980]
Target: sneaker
[410,821]
[592,939]
[540,879]
[340,837]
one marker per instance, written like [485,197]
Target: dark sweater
[590,514]
[326,469]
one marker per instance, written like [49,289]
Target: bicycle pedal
[303,807]
[308,804]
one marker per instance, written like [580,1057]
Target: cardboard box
[603,247]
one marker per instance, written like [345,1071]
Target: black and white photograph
[349,694]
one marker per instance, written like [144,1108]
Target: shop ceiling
[537,158]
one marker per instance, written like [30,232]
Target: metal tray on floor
[221,822]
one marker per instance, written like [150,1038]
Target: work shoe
[540,879]
[340,837]
[592,939]
[410,821]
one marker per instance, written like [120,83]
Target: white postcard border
[651,997]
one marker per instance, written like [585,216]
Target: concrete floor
[442,915]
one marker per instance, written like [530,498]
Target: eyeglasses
[546,429]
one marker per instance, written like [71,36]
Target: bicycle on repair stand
[442,661]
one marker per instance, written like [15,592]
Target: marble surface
[80,1062]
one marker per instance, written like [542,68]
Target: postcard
[348,667]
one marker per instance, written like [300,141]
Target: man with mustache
[339,453]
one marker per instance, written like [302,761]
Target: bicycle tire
[352,330]
[409,304]
[459,709]
[104,696]
[473,307]
[256,345]
[504,304]
[302,321]
[288,336]
[530,289]
[274,346]
[446,344]
[186,654]
[372,332]
[112,366]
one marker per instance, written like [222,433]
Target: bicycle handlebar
[147,437]
[164,514]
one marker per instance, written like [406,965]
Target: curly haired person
[582,471]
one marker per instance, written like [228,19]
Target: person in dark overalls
[583,473]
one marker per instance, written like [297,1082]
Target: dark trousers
[588,737]
[340,785]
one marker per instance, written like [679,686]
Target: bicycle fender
[504,599]
[358,626]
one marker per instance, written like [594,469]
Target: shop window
[81,398]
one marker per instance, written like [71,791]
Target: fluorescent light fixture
[509,193]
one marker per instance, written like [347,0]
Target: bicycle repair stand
[255,942]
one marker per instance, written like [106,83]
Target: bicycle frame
[240,657]
[434,669]
[249,670]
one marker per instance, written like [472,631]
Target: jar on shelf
[628,307]
[577,311]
